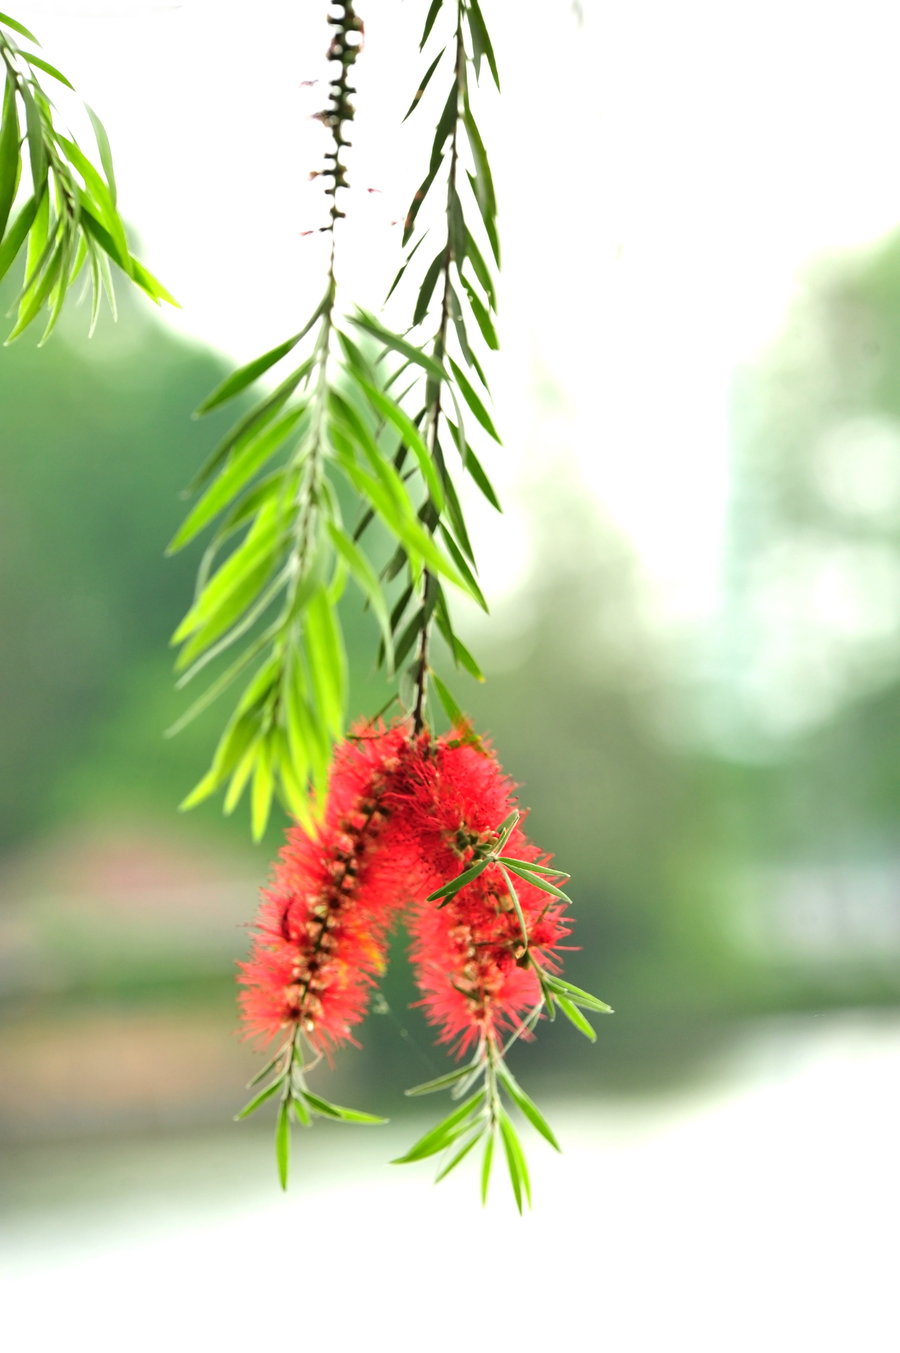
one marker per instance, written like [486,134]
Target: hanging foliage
[392,820]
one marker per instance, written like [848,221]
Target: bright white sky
[665,172]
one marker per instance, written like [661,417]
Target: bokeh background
[694,673]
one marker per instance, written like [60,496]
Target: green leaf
[482,272]
[236,613]
[283,1142]
[433,11]
[93,219]
[481,42]
[27,33]
[327,659]
[60,286]
[45,66]
[578,996]
[482,182]
[247,374]
[461,655]
[240,778]
[574,1016]
[10,164]
[459,324]
[444,1134]
[260,415]
[423,84]
[451,708]
[459,1156]
[515,1160]
[256,551]
[148,283]
[398,344]
[456,226]
[261,792]
[418,198]
[99,200]
[357,361]
[473,401]
[486,1161]
[455,513]
[245,461]
[393,414]
[514,898]
[264,1070]
[213,691]
[367,579]
[105,151]
[404,265]
[528,1107]
[307,741]
[426,291]
[450,889]
[261,1098]
[301,1112]
[505,828]
[40,246]
[473,465]
[445,125]
[43,282]
[337,1111]
[441,1082]
[536,880]
[482,317]
[460,562]
[201,791]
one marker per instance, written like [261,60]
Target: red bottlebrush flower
[472,965]
[322,926]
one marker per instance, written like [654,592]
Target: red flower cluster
[322,926]
[404,815]
[471,961]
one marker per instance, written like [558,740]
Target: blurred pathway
[759,1217]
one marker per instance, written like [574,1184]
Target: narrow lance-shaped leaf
[337,1111]
[481,42]
[283,1142]
[459,1155]
[261,791]
[8,22]
[394,415]
[240,469]
[528,1107]
[486,1162]
[423,84]
[9,153]
[367,578]
[434,10]
[449,889]
[473,401]
[257,1100]
[574,1016]
[444,1133]
[515,1160]
[440,1082]
[43,65]
[398,344]
[247,374]
[105,151]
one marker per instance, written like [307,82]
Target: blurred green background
[725,798]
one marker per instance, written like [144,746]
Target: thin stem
[434,386]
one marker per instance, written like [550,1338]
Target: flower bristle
[403,815]
[321,931]
[472,965]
